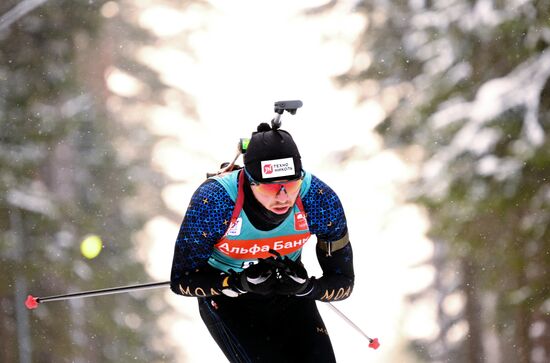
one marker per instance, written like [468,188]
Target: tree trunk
[472,313]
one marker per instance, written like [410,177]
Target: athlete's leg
[305,327]
[280,329]
[244,329]
[221,333]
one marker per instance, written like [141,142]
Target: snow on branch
[521,88]
[33,202]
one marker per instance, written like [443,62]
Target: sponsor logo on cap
[278,168]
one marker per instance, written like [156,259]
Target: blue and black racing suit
[224,229]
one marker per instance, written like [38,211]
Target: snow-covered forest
[466,93]
[112,112]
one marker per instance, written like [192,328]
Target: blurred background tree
[75,160]
[465,89]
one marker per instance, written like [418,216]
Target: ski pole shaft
[32,302]
[373,342]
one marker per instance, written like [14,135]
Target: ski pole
[373,342]
[32,302]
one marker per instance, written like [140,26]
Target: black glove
[259,278]
[292,278]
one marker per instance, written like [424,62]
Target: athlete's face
[278,201]
[277,196]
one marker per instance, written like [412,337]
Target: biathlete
[238,252]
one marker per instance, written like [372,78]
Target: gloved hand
[292,278]
[259,278]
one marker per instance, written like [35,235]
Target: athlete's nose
[282,194]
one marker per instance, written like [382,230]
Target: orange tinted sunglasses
[273,188]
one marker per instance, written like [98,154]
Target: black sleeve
[203,281]
[327,220]
[338,276]
[205,222]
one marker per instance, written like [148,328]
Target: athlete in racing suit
[239,247]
